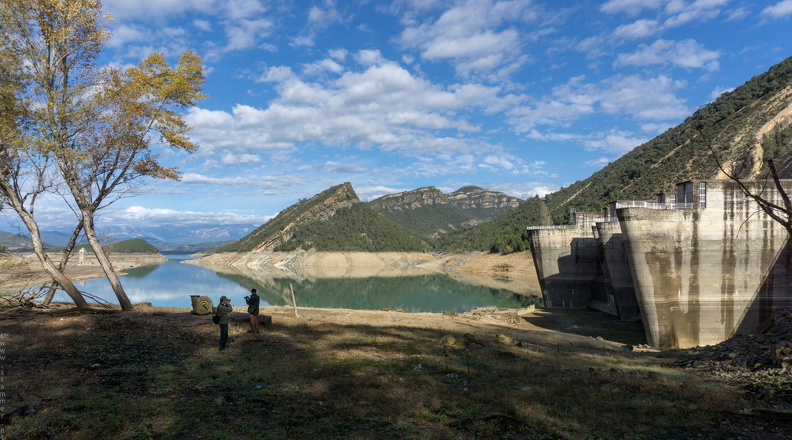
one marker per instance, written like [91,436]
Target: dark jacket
[253,304]
[222,312]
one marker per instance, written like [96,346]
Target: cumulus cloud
[631,7]
[638,29]
[616,142]
[634,96]
[781,9]
[599,162]
[140,214]
[687,54]
[478,36]
[382,106]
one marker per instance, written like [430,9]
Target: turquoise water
[170,284]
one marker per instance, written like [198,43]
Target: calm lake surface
[170,284]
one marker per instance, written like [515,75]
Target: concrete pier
[566,265]
[617,270]
[707,272]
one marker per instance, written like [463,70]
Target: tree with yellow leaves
[97,126]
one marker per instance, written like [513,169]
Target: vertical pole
[294,301]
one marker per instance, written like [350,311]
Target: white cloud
[525,190]
[719,91]
[136,9]
[600,162]
[631,7]
[638,29]
[632,96]
[687,54]
[616,142]
[779,10]
[140,214]
[700,10]
[476,35]
[240,159]
[382,106]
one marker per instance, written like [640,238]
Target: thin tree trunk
[49,266]
[52,270]
[62,265]
[104,261]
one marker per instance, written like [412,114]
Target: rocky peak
[410,200]
[469,197]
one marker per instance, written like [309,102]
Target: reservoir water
[170,284]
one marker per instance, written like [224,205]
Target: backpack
[216,319]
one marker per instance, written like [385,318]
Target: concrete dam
[696,270]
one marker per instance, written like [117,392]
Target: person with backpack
[223,309]
[253,309]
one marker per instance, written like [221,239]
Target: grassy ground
[157,374]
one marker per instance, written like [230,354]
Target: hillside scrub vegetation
[356,228]
[135,245]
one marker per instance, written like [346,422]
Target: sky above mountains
[521,96]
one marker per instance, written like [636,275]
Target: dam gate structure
[696,270]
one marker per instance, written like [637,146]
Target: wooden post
[294,301]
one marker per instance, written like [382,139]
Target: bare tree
[97,125]
[767,181]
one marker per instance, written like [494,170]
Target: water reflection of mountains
[428,293]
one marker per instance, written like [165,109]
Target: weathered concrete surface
[566,265]
[704,275]
[616,269]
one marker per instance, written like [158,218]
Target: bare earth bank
[514,272]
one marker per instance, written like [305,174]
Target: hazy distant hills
[168,239]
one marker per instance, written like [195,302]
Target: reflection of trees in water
[429,293]
[140,272]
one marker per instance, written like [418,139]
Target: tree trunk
[49,266]
[104,261]
[62,265]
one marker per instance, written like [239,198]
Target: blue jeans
[223,335]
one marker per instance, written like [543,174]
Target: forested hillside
[356,228]
[428,211]
[333,220]
[744,128]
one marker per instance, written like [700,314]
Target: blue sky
[522,96]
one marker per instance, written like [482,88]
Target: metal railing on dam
[628,204]
[653,205]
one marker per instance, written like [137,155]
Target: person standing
[223,309]
[253,309]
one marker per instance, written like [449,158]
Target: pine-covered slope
[744,128]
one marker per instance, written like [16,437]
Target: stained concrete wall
[704,274]
[616,268]
[566,264]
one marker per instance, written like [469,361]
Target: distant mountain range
[168,238]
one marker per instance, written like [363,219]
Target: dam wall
[705,273]
[566,264]
[616,268]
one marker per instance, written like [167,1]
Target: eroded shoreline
[513,272]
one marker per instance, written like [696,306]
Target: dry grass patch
[157,374]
